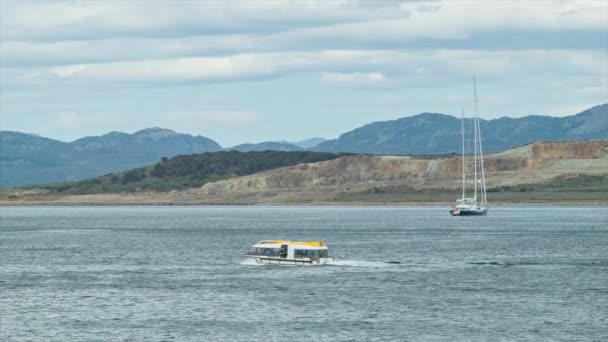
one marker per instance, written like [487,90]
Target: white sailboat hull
[469,211]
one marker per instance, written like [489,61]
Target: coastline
[199,203]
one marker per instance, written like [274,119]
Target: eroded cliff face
[534,163]
[592,149]
[572,150]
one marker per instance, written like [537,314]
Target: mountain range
[266,146]
[30,159]
[279,145]
[432,133]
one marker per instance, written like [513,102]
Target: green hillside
[188,171]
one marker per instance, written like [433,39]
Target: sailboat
[478,203]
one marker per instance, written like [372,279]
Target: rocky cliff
[536,163]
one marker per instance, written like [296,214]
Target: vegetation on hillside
[189,171]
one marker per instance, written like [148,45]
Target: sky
[254,70]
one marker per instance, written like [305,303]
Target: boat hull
[469,212]
[273,260]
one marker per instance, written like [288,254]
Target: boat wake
[490,263]
[363,263]
[540,263]
[64,231]
[341,263]
[249,262]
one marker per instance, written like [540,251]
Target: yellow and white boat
[289,253]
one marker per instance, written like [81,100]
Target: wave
[573,263]
[591,263]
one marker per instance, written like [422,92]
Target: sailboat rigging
[466,206]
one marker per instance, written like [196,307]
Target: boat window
[264,251]
[323,253]
[283,251]
[306,253]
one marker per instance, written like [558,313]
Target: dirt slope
[534,164]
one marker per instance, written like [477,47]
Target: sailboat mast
[484,197]
[475,142]
[464,176]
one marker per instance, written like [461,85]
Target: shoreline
[572,203]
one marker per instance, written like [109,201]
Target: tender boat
[289,253]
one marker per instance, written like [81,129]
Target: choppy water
[177,273]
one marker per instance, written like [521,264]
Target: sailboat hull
[469,212]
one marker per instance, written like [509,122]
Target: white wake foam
[63,231]
[360,263]
[249,262]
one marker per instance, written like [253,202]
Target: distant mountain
[309,143]
[432,133]
[265,146]
[281,145]
[31,159]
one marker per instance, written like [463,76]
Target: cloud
[355,80]
[340,67]
[214,117]
[142,58]
[69,20]
[224,68]
[90,32]
[66,20]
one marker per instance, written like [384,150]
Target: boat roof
[290,242]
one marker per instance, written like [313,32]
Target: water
[177,273]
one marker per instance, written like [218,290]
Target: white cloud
[458,20]
[340,66]
[213,117]
[355,80]
[119,57]
[85,32]
[72,19]
[69,19]
[225,68]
